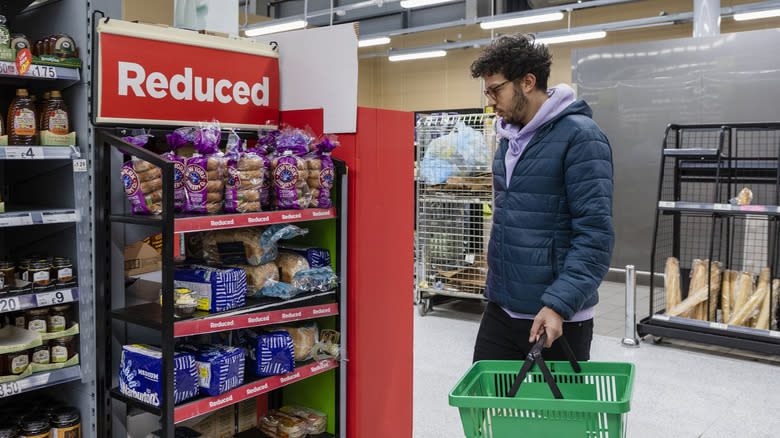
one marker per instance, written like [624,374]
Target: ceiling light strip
[374,42]
[769,13]
[274,28]
[409,4]
[572,37]
[519,21]
[417,55]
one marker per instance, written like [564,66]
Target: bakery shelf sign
[150,75]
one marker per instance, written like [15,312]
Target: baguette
[672,283]
[698,284]
[742,293]
[762,322]
[716,272]
[775,301]
[750,307]
[725,295]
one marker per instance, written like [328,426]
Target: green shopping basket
[503,399]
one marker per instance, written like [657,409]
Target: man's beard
[520,102]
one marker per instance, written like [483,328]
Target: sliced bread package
[221,367]
[216,289]
[140,374]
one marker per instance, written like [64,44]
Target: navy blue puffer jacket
[552,236]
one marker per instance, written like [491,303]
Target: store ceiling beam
[394,6]
[662,20]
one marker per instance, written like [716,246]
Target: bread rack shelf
[703,169]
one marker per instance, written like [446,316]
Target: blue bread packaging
[317,257]
[216,289]
[269,354]
[140,374]
[221,367]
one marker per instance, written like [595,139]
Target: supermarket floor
[681,390]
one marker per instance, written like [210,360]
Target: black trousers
[502,337]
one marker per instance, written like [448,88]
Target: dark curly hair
[514,56]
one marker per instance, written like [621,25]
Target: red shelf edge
[251,390]
[241,220]
[203,326]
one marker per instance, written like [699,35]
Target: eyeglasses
[491,92]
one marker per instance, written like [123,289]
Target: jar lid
[63,416]
[62,339]
[61,307]
[61,261]
[37,310]
[9,431]
[40,264]
[182,290]
[5,264]
[35,423]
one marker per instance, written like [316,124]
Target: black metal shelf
[150,314]
[135,219]
[692,153]
[40,380]
[116,394]
[722,209]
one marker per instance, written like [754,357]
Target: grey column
[706,18]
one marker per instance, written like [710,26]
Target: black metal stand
[702,168]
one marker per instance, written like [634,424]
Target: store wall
[636,90]
[445,83]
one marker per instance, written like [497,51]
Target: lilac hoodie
[560,96]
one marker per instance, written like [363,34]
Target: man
[552,236]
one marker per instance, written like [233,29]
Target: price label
[9,389]
[42,71]
[56,297]
[12,220]
[10,304]
[661,317]
[724,207]
[80,165]
[53,218]
[718,325]
[774,333]
[24,153]
[665,204]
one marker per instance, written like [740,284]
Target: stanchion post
[630,339]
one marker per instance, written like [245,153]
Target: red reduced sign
[151,82]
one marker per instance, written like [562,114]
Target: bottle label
[58,122]
[66,432]
[41,356]
[64,47]
[57,324]
[64,273]
[41,276]
[2,280]
[24,122]
[5,37]
[37,325]
[18,364]
[59,354]
[19,321]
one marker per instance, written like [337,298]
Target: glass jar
[14,363]
[35,320]
[6,274]
[17,319]
[66,423]
[9,430]
[39,272]
[22,267]
[60,318]
[62,269]
[62,349]
[36,426]
[40,354]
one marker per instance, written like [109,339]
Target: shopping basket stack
[595,398]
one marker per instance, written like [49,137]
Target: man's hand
[549,321]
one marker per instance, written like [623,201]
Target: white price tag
[10,304]
[661,317]
[665,204]
[774,333]
[718,325]
[9,389]
[42,71]
[12,220]
[24,153]
[80,165]
[470,258]
[724,207]
[53,218]
[56,297]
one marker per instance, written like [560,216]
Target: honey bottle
[21,120]
[40,109]
[55,117]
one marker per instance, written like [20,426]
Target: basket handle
[535,356]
